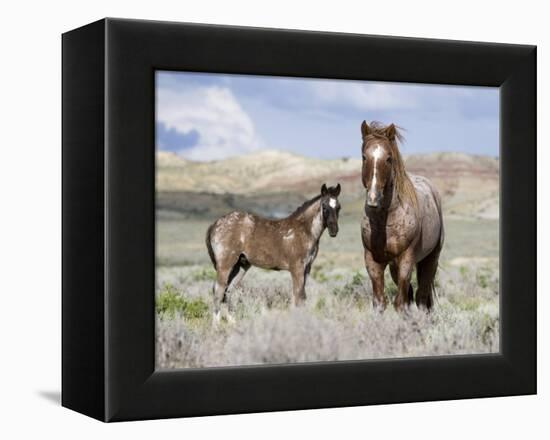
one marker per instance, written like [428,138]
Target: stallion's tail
[441,241]
[209,244]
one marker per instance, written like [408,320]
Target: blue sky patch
[204,116]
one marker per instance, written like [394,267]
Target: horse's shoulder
[424,187]
[419,181]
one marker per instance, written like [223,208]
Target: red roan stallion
[402,224]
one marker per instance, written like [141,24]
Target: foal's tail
[209,244]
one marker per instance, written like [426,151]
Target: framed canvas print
[262,219]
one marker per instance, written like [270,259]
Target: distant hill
[264,171]
[273,182]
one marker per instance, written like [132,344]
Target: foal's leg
[220,289]
[225,273]
[405,265]
[242,272]
[376,274]
[298,285]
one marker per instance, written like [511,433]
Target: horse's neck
[386,215]
[312,220]
[377,218]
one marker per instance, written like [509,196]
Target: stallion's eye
[388,160]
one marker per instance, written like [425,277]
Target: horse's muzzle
[373,204]
[333,233]
[373,199]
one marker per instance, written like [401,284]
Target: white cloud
[363,96]
[224,128]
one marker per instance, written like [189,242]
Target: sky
[205,116]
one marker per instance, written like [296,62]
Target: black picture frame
[108,366]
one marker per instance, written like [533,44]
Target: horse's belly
[266,254]
[429,239]
[431,224]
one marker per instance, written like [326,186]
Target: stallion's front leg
[298,285]
[376,274]
[405,266]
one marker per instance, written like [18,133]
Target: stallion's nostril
[373,199]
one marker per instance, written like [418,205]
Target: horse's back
[228,232]
[430,215]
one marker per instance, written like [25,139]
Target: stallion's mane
[404,188]
[304,206]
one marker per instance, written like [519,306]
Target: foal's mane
[304,206]
[404,188]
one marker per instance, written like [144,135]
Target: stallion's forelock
[377,129]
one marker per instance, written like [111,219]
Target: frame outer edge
[520,127]
[83,343]
[132,391]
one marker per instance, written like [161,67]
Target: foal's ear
[365,129]
[337,190]
[324,190]
[390,132]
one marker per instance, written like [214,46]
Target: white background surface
[30,218]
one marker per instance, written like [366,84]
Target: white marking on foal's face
[332,203]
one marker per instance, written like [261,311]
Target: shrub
[353,289]
[204,274]
[320,304]
[170,303]
[482,279]
[318,274]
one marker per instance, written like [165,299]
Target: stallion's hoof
[379,307]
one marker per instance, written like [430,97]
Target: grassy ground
[337,322]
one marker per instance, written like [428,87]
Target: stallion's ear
[365,129]
[337,190]
[390,132]
[324,190]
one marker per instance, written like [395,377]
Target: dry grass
[337,322]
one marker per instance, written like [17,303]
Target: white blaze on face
[332,203]
[376,154]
